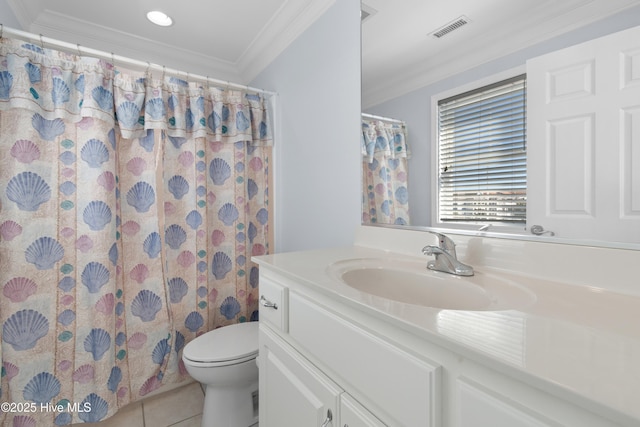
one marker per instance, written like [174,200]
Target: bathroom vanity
[560,348]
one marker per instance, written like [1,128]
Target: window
[482,155]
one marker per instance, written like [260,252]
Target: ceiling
[236,39]
[224,39]
[399,54]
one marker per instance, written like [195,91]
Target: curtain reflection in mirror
[385,152]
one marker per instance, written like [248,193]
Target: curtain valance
[381,138]
[59,86]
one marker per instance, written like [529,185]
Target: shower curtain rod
[385,119]
[121,59]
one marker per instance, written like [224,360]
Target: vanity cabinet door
[353,414]
[480,407]
[293,392]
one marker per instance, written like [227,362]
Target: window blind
[482,156]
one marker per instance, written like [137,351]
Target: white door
[293,393]
[583,139]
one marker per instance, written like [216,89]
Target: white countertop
[580,342]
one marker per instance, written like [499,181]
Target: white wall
[415,107]
[317,191]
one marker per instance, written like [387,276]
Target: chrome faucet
[446,259]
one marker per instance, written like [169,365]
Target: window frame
[435,155]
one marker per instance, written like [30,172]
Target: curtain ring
[113,60]
[163,71]
[147,73]
[78,46]
[1,30]
[41,42]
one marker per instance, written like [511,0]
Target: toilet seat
[228,345]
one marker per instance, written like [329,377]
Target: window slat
[482,154]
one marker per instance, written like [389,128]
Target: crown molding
[85,33]
[291,20]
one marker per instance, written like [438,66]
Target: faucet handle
[445,243]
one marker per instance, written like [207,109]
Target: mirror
[404,65]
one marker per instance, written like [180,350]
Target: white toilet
[224,360]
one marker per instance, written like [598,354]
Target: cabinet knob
[268,304]
[329,418]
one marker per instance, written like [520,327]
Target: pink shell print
[64,365]
[10,229]
[10,370]
[150,385]
[139,273]
[137,340]
[130,228]
[83,374]
[84,243]
[67,232]
[136,166]
[107,181]
[186,258]
[105,304]
[186,158]
[19,289]
[255,164]
[217,237]
[25,151]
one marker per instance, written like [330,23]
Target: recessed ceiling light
[159,18]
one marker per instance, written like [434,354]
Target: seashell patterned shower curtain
[130,208]
[385,154]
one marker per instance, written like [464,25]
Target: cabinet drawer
[274,304]
[403,387]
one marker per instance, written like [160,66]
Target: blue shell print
[141,196]
[160,351]
[175,236]
[60,91]
[221,265]
[178,186]
[147,141]
[24,328]
[219,171]
[146,305]
[6,81]
[228,214]
[194,219]
[97,343]
[177,289]
[94,276]
[48,129]
[94,152]
[114,379]
[194,321]
[152,245]
[103,98]
[96,215]
[44,253]
[34,73]
[28,190]
[42,388]
[230,308]
[99,408]
[128,114]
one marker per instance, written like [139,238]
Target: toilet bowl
[224,361]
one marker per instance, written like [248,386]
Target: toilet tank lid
[223,344]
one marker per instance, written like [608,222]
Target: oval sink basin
[410,282]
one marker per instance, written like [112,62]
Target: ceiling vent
[451,26]
[366,12]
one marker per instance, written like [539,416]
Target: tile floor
[181,407]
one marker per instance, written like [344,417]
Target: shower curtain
[130,209]
[385,194]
